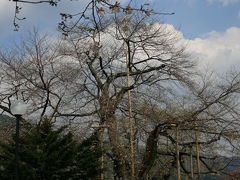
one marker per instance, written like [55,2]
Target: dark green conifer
[46,154]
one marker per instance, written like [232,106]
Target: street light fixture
[17,108]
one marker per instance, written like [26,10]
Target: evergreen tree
[45,153]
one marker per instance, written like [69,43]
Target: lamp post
[18,108]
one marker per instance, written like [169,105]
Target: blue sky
[198,17]
[214,24]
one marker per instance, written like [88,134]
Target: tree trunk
[120,155]
[150,153]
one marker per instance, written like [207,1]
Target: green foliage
[45,153]
[87,164]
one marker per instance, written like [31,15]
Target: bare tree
[84,76]
[210,107]
[94,9]
[83,79]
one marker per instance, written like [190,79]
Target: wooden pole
[197,151]
[129,102]
[185,161]
[102,157]
[191,161]
[178,160]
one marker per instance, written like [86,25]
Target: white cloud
[224,2]
[219,50]
[239,13]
